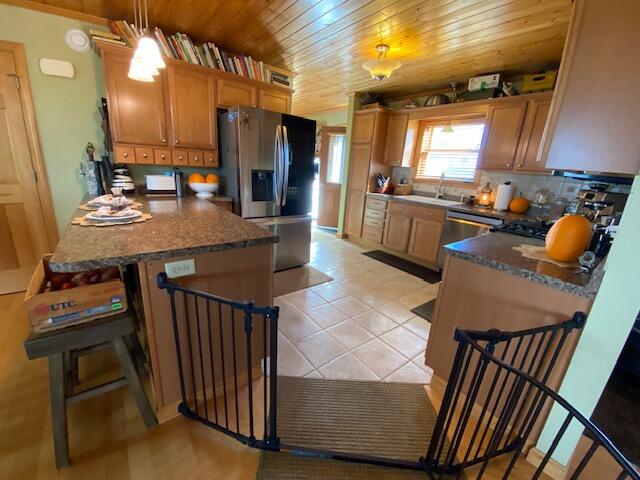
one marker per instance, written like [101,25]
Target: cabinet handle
[195,159]
[144,155]
[520,165]
[164,140]
[125,154]
[210,159]
[509,165]
[177,141]
[163,156]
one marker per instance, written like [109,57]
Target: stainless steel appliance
[525,229]
[460,226]
[599,206]
[267,166]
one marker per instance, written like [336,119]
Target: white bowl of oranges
[203,186]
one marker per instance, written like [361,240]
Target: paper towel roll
[504,196]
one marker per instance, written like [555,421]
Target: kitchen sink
[431,200]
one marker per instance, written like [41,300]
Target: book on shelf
[180,46]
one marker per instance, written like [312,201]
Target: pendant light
[382,67]
[147,59]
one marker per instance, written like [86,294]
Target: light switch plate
[180,269]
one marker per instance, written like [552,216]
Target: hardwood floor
[107,436]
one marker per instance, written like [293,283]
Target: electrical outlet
[180,269]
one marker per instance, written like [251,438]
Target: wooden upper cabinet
[236,92]
[395,139]
[193,107]
[364,124]
[359,171]
[590,128]
[137,110]
[502,133]
[527,158]
[424,239]
[275,100]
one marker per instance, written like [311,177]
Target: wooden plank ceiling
[326,41]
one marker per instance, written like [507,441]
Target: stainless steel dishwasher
[460,226]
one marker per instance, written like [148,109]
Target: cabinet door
[232,92]
[502,132]
[355,212]
[193,107]
[396,232]
[364,125]
[359,169]
[424,241]
[396,135]
[137,110]
[275,100]
[531,138]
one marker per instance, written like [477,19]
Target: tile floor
[358,326]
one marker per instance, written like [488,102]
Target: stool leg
[129,370]
[58,409]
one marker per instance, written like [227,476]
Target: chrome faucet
[438,194]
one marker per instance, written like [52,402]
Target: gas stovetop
[524,229]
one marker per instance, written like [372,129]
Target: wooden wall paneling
[193,107]
[137,110]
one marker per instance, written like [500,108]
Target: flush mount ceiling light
[146,59]
[382,67]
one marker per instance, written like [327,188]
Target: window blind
[450,148]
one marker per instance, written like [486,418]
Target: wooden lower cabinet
[424,240]
[396,232]
[355,212]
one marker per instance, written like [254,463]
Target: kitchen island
[233,258]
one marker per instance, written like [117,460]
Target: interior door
[332,152]
[23,232]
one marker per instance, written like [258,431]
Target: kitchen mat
[428,275]
[294,279]
[425,310]
[388,420]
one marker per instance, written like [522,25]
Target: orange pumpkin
[568,238]
[519,205]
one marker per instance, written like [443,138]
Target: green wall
[605,333]
[66,109]
[332,118]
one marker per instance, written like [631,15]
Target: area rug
[428,275]
[294,279]
[388,420]
[425,310]
[285,466]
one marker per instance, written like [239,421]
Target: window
[335,156]
[451,148]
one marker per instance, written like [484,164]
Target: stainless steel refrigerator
[267,167]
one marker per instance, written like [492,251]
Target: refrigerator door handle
[286,160]
[277,153]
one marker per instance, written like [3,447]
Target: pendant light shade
[147,59]
[382,67]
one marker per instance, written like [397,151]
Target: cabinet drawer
[144,155]
[374,223]
[211,159]
[195,158]
[376,204]
[179,157]
[162,156]
[376,214]
[428,213]
[124,154]
[372,234]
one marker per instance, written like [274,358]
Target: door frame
[33,139]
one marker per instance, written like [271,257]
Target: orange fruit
[568,238]
[196,178]
[212,178]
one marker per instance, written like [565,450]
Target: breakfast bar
[203,246]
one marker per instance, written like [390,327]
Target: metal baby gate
[494,399]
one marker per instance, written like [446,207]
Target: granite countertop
[495,250]
[179,227]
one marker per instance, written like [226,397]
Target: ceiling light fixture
[382,67]
[147,59]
